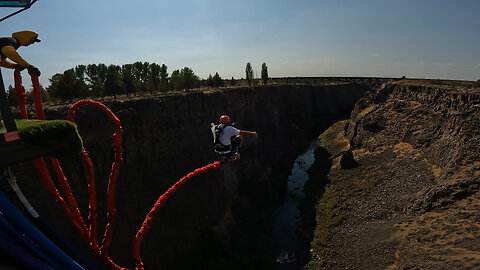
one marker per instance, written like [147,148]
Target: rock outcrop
[411,201]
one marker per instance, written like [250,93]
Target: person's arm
[246,132]
[11,53]
[7,64]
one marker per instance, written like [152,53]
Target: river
[287,218]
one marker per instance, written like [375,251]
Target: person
[9,46]
[227,139]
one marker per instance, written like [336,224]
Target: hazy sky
[387,38]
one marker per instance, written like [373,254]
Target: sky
[435,39]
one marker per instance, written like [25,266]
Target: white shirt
[226,134]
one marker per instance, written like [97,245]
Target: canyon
[395,184]
[220,220]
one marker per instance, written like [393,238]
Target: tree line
[100,80]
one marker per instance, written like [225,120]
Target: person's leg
[237,143]
[240,137]
[236,147]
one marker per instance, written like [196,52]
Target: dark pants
[235,143]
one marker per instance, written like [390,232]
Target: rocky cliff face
[166,137]
[412,201]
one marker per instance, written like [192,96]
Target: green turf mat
[50,133]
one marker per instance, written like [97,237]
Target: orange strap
[11,136]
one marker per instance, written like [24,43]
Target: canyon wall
[167,136]
[411,200]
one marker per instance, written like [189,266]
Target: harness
[219,147]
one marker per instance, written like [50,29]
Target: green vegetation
[249,74]
[264,73]
[100,80]
[12,100]
[327,217]
[327,138]
[216,81]
[49,133]
[320,204]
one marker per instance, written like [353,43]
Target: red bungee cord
[70,209]
[159,204]
[117,147]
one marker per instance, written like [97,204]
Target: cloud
[476,66]
[375,55]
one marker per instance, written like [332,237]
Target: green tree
[217,80]
[163,78]
[155,79]
[209,80]
[113,82]
[92,73]
[264,73]
[189,79]
[12,96]
[45,96]
[67,86]
[80,72]
[96,75]
[137,74]
[145,77]
[127,78]
[175,80]
[184,79]
[249,74]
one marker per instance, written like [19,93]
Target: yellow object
[24,38]
[12,54]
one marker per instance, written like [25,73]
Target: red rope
[72,209]
[37,97]
[40,163]
[20,93]
[117,147]
[92,199]
[158,205]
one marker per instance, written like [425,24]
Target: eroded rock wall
[412,201]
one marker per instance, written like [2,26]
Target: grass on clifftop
[328,139]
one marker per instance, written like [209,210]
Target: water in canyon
[287,218]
